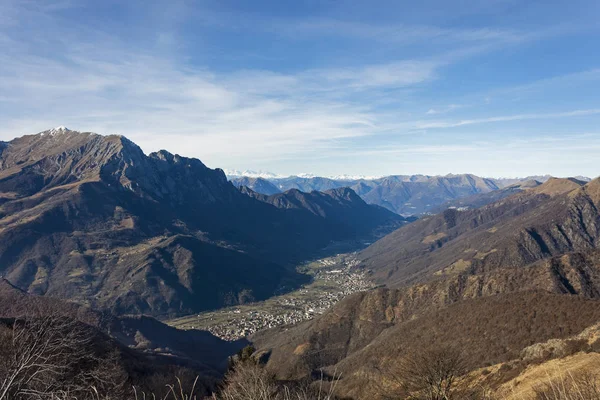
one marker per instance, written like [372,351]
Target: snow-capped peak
[58,129]
[346,177]
[306,175]
[234,173]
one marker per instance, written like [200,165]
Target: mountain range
[92,218]
[403,194]
[94,230]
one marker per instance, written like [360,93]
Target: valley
[299,200]
[164,260]
[333,279]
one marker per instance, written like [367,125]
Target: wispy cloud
[444,109]
[398,34]
[506,118]
[337,88]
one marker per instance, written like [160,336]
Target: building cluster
[334,279]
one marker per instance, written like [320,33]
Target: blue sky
[495,88]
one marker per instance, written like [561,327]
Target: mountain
[308,184]
[507,284]
[482,199]
[258,185]
[93,219]
[361,341]
[234,173]
[402,194]
[418,196]
[141,333]
[341,207]
[122,351]
[363,337]
[556,217]
[504,182]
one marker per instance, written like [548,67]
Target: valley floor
[333,279]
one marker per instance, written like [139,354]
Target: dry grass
[250,381]
[546,375]
[580,386]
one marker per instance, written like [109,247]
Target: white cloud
[70,74]
[393,74]
[396,33]
[97,83]
[444,110]
[160,105]
[506,118]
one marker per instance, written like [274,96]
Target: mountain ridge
[178,237]
[402,194]
[556,217]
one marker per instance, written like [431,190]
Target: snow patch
[234,173]
[346,177]
[306,175]
[58,130]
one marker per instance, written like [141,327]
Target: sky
[498,88]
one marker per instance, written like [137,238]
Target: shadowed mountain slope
[141,333]
[342,207]
[258,185]
[92,218]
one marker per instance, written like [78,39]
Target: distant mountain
[234,173]
[504,182]
[308,184]
[258,185]
[93,219]
[418,195]
[482,199]
[346,177]
[402,194]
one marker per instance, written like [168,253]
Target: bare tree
[45,355]
[426,375]
[249,381]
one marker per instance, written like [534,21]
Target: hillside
[141,333]
[361,340]
[554,218]
[342,207]
[93,219]
[483,199]
[111,353]
[497,303]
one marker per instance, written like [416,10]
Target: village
[333,279]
